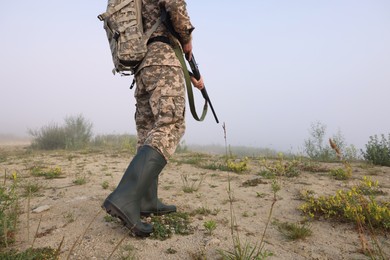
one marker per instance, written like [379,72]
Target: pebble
[213,242]
[41,209]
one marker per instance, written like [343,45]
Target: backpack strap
[152,30]
[114,9]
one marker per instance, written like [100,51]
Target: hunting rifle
[166,20]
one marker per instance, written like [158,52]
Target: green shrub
[75,134]
[182,147]
[78,132]
[280,167]
[49,137]
[317,148]
[378,151]
[314,146]
[340,173]
[351,206]
[120,141]
[238,166]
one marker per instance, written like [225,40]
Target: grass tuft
[167,225]
[293,231]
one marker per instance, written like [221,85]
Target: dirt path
[73,214]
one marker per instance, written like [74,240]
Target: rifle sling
[190,94]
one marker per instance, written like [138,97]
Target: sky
[272,68]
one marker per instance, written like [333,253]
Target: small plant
[245,250]
[128,252]
[105,185]
[204,211]
[304,193]
[191,185]
[171,251]
[214,166]
[8,211]
[378,151]
[267,174]
[210,226]
[32,253]
[124,142]
[312,166]
[31,189]
[80,180]
[340,174]
[280,167]
[3,158]
[166,225]
[369,187]
[253,182]
[238,166]
[245,214]
[192,159]
[50,173]
[261,194]
[69,217]
[293,231]
[109,218]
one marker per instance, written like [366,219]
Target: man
[159,117]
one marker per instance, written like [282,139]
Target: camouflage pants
[160,108]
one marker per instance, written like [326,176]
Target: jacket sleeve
[180,18]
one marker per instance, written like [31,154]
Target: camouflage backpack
[124,29]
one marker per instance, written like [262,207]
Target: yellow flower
[14,176]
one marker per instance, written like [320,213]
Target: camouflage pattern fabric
[160,108]
[160,91]
[161,53]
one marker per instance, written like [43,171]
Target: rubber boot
[125,201]
[150,204]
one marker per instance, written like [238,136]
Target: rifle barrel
[206,97]
[196,73]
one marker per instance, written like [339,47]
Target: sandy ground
[74,214]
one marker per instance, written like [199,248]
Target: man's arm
[180,19]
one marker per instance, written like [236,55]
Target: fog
[271,69]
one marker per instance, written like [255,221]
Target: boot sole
[156,213]
[115,212]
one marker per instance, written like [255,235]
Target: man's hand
[199,84]
[187,49]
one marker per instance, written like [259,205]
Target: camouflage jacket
[160,53]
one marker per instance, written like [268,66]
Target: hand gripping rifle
[166,20]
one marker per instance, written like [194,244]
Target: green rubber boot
[150,204]
[125,201]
